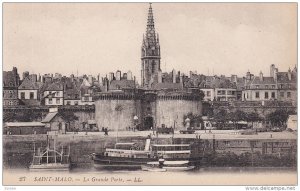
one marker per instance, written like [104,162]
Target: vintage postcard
[150,94]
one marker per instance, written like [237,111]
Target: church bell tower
[150,54]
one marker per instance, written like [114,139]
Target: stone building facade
[157,102]
[145,109]
[11,82]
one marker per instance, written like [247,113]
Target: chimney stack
[118,75]
[290,74]
[261,77]
[174,75]
[111,76]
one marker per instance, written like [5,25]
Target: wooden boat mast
[54,150]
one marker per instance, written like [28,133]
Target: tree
[24,116]
[236,116]
[253,117]
[69,117]
[8,116]
[278,117]
[220,118]
[195,119]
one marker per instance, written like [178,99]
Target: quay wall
[18,150]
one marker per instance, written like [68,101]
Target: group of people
[130,128]
[105,130]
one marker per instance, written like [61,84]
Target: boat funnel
[147,145]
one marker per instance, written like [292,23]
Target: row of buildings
[54,90]
[162,98]
[281,86]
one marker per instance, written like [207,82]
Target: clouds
[102,37]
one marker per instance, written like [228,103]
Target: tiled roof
[24,124]
[71,94]
[282,77]
[49,117]
[218,82]
[266,80]
[120,84]
[86,83]
[167,85]
[27,84]
[9,79]
[54,87]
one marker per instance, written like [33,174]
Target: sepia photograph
[147,94]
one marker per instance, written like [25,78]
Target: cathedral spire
[150,53]
[150,22]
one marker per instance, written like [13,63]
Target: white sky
[94,38]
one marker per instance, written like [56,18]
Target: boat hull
[119,163]
[106,162]
[49,167]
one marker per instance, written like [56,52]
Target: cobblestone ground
[217,134]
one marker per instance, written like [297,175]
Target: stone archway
[148,123]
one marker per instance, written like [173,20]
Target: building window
[257,86]
[31,95]
[153,67]
[281,86]
[68,103]
[256,94]
[57,101]
[266,95]
[273,95]
[86,98]
[76,103]
[208,93]
[227,143]
[76,96]
[50,101]
[22,95]
[266,86]
[289,86]
[221,92]
[288,95]
[273,86]
[50,92]
[281,94]
[57,94]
